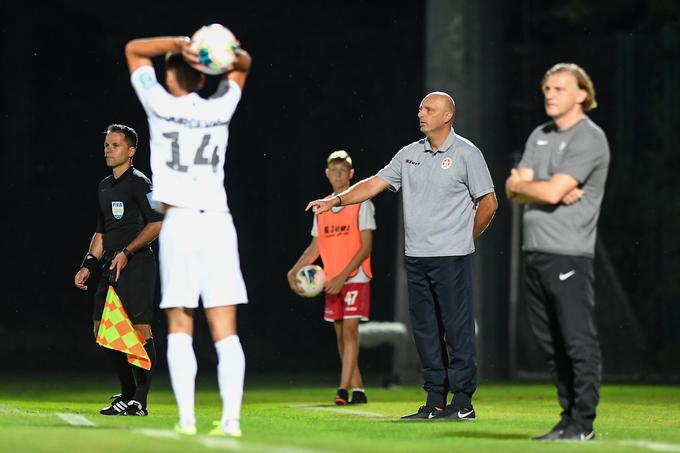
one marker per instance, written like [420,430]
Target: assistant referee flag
[116,332]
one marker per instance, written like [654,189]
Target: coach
[448,201]
[561,180]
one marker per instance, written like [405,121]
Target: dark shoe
[117,406]
[424,412]
[554,433]
[342,397]
[454,413]
[134,408]
[574,432]
[358,397]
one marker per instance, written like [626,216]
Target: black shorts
[136,288]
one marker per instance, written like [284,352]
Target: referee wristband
[338,197]
[90,262]
[127,252]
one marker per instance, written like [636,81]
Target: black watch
[127,253]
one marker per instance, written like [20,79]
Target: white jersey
[189,137]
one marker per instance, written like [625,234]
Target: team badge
[147,81]
[117,209]
[446,163]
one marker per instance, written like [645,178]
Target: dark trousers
[561,303]
[442,318]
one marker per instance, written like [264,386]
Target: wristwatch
[127,253]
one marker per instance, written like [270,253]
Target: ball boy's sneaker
[135,409]
[424,412]
[341,397]
[451,412]
[117,406]
[358,397]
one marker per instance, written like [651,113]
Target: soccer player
[198,243]
[126,225]
[561,180]
[343,238]
[448,200]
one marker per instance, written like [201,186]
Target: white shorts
[198,254]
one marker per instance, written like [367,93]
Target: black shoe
[554,433]
[424,412]
[358,397]
[575,432]
[134,408]
[117,406]
[341,398]
[451,412]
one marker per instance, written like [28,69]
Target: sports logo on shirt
[117,209]
[146,81]
[446,163]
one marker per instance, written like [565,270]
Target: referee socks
[142,376]
[123,370]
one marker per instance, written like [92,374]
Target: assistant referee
[126,225]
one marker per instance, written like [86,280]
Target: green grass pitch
[289,414]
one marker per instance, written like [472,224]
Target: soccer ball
[216,47]
[311,279]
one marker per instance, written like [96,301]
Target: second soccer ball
[311,279]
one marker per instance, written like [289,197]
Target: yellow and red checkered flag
[116,332]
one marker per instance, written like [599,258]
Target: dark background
[326,75]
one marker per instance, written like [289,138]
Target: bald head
[436,113]
[444,100]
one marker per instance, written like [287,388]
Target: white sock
[358,390]
[231,368]
[182,367]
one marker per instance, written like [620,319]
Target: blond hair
[582,79]
[339,156]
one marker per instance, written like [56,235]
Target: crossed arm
[521,188]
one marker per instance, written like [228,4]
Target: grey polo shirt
[582,152]
[439,193]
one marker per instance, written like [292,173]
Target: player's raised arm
[359,192]
[239,72]
[139,52]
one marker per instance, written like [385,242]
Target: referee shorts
[199,258]
[136,287]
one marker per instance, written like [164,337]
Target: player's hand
[335,284]
[118,264]
[189,54]
[81,277]
[573,196]
[293,283]
[321,206]
[243,60]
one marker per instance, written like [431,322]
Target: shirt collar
[446,146]
[123,176]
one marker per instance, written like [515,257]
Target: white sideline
[75,419]
[650,445]
[338,409]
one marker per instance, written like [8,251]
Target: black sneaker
[342,397]
[554,433]
[117,406]
[424,412]
[574,432]
[358,397]
[134,408]
[451,412]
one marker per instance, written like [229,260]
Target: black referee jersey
[124,208]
